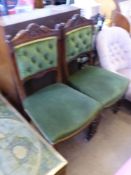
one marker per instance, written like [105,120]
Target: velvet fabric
[102,85]
[60,111]
[33,57]
[78,40]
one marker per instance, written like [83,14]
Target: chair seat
[104,86]
[60,111]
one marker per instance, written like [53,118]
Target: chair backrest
[120,20]
[114,48]
[36,56]
[78,41]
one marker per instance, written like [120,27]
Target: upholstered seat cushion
[102,85]
[60,111]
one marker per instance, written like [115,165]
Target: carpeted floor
[109,149]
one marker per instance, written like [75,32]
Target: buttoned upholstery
[57,110]
[114,50]
[100,84]
[32,58]
[78,40]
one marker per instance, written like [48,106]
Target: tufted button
[51,62]
[38,49]
[40,65]
[72,53]
[50,45]
[33,59]
[25,53]
[72,38]
[45,56]
[84,42]
[80,35]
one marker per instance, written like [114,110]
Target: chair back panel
[36,56]
[78,41]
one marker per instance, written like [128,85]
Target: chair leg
[117,106]
[92,128]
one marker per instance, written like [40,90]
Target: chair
[114,49]
[100,84]
[57,110]
[120,20]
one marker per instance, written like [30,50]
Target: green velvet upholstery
[60,111]
[102,85]
[38,55]
[78,41]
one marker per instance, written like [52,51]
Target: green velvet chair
[104,86]
[57,110]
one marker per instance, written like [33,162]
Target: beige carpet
[106,152]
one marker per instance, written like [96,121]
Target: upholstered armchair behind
[114,49]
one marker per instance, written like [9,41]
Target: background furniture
[114,50]
[17,140]
[125,8]
[118,19]
[38,3]
[107,7]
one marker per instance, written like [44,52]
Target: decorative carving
[32,32]
[78,20]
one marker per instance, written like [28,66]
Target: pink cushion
[125,72]
[125,169]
